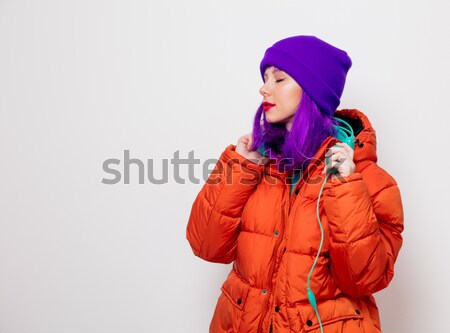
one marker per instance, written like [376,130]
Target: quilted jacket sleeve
[215,216]
[365,230]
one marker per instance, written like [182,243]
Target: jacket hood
[365,140]
[365,135]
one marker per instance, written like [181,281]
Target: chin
[273,119]
[270,118]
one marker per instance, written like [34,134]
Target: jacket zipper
[291,199]
[272,267]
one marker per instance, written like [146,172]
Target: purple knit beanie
[318,67]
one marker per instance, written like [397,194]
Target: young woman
[310,241]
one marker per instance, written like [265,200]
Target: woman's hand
[243,148]
[341,158]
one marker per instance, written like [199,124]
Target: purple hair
[293,149]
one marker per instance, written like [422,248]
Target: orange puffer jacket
[244,214]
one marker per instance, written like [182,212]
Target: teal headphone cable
[311,296]
[345,135]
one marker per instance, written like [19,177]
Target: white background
[83,81]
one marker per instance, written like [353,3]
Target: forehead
[271,69]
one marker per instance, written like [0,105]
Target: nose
[263,90]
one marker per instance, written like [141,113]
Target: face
[282,90]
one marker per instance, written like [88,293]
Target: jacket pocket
[338,314]
[230,305]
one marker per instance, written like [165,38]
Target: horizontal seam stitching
[257,233]
[356,240]
[383,189]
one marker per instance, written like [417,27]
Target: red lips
[267,105]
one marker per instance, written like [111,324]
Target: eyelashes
[275,81]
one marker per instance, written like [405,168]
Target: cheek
[292,96]
[291,101]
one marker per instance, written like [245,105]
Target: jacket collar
[365,146]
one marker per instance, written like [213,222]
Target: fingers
[244,145]
[347,148]
[335,161]
[250,141]
[338,156]
[243,140]
[347,151]
[247,140]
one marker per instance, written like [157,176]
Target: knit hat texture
[317,66]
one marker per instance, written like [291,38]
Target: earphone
[347,136]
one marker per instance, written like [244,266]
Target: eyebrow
[274,70]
